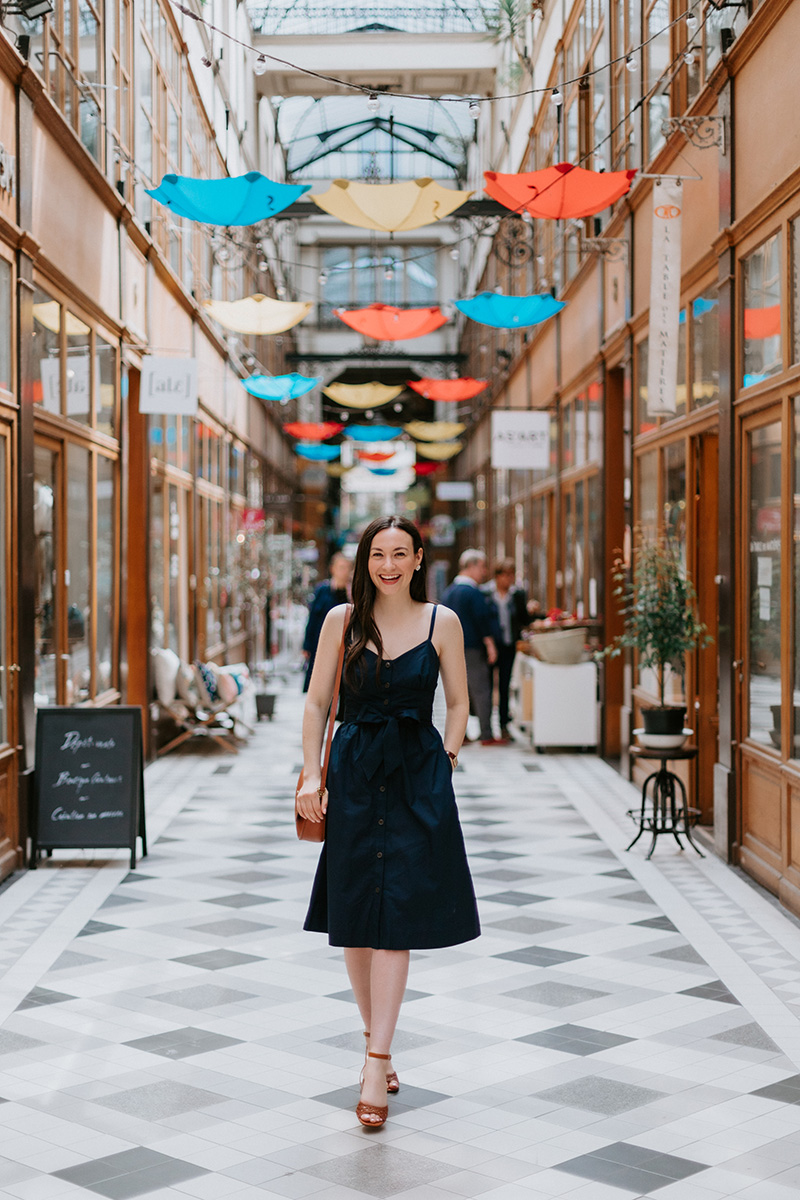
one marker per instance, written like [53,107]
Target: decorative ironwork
[614,249]
[512,244]
[702,132]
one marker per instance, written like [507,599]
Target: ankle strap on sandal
[371,1055]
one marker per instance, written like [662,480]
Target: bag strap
[334,700]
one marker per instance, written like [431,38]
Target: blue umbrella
[316,451]
[279,387]
[509,312]
[383,470]
[373,433]
[241,200]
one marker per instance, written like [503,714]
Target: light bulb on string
[373,103]
[369,414]
[455,254]
[691,22]
[263,265]
[474,109]
[344,416]
[556,98]
[322,278]
[631,64]
[389,272]
[281,291]
[261,65]
[689,56]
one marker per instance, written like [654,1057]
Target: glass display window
[761,318]
[5,326]
[704,311]
[763,575]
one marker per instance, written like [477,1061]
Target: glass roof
[276,17]
[338,137]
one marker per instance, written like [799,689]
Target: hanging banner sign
[520,439]
[168,385]
[665,299]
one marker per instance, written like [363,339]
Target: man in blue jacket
[327,595]
[479,622]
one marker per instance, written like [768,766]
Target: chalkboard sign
[89,780]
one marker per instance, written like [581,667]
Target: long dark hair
[362,624]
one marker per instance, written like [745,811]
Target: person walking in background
[393,874]
[512,616]
[326,596]
[479,622]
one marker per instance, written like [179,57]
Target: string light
[373,103]
[322,278]
[261,65]
[689,56]
[389,272]
[631,64]
[474,109]
[556,98]
[691,22]
[455,254]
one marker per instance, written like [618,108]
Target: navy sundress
[393,871]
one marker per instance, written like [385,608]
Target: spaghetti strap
[433,619]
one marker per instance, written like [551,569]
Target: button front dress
[393,871]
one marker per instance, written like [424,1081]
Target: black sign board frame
[88,791]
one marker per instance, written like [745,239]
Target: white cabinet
[558,704]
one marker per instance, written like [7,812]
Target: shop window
[761,273]
[645,423]
[538,541]
[47,351]
[5,326]
[674,524]
[795,243]
[46,615]
[104,585]
[236,477]
[594,546]
[106,385]
[680,389]
[658,54]
[580,440]
[78,577]
[79,385]
[594,423]
[648,494]
[705,348]
[158,533]
[5,583]
[579,607]
[567,437]
[764,579]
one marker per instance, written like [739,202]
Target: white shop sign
[455,489]
[168,385]
[665,298]
[520,439]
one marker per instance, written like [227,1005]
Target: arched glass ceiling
[276,17]
[338,137]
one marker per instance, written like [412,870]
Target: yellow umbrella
[390,207]
[337,470]
[438,450]
[434,431]
[362,395]
[257,314]
[48,313]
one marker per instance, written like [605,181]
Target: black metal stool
[666,814]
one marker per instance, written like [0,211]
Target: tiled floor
[623,1028]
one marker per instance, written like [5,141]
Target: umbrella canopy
[373,433]
[316,452]
[279,387]
[385,323]
[449,390]
[762,322]
[362,395]
[439,450]
[427,468]
[257,314]
[374,456]
[382,470]
[313,431]
[434,431]
[509,312]
[337,470]
[48,313]
[558,192]
[242,200]
[390,207]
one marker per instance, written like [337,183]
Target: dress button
[387,685]
[377,890]
[383,789]
[380,854]
[386,701]
[380,820]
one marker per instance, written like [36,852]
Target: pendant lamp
[389,207]
[449,390]
[313,431]
[362,395]
[316,451]
[257,315]
[559,192]
[279,387]
[241,200]
[440,451]
[509,312]
[385,323]
[434,431]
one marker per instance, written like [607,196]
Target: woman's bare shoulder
[448,624]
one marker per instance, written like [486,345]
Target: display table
[557,705]
[664,813]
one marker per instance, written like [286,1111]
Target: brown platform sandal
[392,1082]
[372,1116]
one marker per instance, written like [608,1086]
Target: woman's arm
[318,700]
[449,641]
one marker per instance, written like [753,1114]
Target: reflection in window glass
[79,406]
[580,608]
[795,752]
[595,422]
[79,579]
[540,511]
[764,607]
[157,563]
[705,348]
[580,430]
[569,551]
[646,422]
[47,351]
[594,546]
[5,325]
[648,494]
[45,484]
[104,617]
[675,496]
[761,272]
[658,55]
[106,385]
[4,581]
[680,392]
[796,291]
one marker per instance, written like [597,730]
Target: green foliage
[659,606]
[506,21]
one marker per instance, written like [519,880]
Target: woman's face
[392,560]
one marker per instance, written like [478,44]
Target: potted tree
[659,605]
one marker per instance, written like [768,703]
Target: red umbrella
[374,456]
[449,389]
[762,322]
[428,468]
[562,191]
[311,431]
[388,324]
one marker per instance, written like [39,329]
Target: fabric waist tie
[384,748]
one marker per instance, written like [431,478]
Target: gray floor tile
[555,995]
[154,1101]
[381,1171]
[205,995]
[599,1095]
[217,960]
